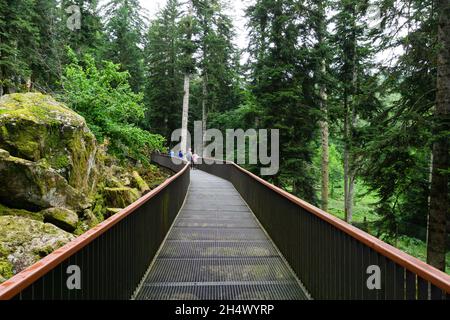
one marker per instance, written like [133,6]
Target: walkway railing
[113,257]
[333,259]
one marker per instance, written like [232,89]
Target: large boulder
[62,218]
[120,197]
[35,186]
[5,211]
[25,241]
[34,126]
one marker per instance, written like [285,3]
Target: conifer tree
[125,28]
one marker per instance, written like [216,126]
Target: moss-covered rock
[112,211]
[61,217]
[5,211]
[24,241]
[120,197]
[90,218]
[139,183]
[6,270]
[4,154]
[33,186]
[35,126]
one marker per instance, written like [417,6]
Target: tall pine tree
[282,84]
[164,77]
[125,27]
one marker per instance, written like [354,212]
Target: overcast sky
[236,11]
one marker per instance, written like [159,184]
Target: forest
[359,89]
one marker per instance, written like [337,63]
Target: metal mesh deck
[216,250]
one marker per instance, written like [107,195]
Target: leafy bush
[112,110]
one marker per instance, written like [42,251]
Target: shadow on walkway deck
[217,250]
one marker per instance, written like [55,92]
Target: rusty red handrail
[422,269]
[22,280]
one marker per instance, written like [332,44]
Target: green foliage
[164,77]
[336,171]
[281,82]
[417,248]
[397,161]
[17,38]
[125,27]
[218,64]
[104,97]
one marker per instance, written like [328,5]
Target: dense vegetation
[358,89]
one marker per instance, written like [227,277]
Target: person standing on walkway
[194,160]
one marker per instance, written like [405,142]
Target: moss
[37,107]
[43,163]
[33,187]
[61,161]
[112,211]
[43,251]
[35,126]
[25,241]
[62,218]
[4,154]
[120,197]
[99,208]
[6,270]
[139,183]
[5,211]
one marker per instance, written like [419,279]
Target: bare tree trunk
[350,121]
[325,143]
[351,173]
[348,179]
[439,205]
[185,114]
[351,196]
[346,157]
[430,179]
[204,111]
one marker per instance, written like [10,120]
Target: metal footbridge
[222,233]
[217,250]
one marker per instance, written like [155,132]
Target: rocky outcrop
[56,181]
[35,186]
[24,241]
[35,127]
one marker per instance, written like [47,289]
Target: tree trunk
[439,205]
[325,137]
[204,112]
[187,81]
[349,174]
[350,119]
[185,116]
[348,189]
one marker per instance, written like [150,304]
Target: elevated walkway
[217,250]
